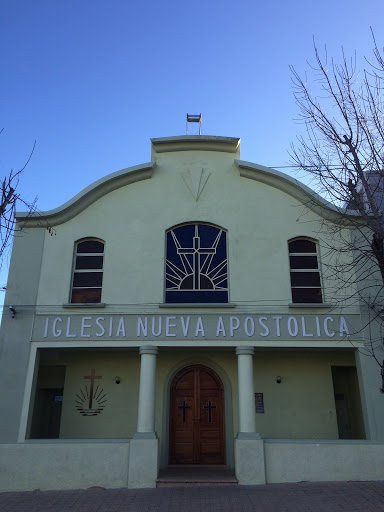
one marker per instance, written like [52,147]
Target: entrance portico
[197,418]
[136,419]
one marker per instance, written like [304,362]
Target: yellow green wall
[301,406]
[119,417]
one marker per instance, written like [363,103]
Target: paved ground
[302,497]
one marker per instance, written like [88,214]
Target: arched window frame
[87,289]
[220,293]
[305,265]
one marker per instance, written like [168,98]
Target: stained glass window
[196,264]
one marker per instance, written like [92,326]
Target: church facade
[181,312]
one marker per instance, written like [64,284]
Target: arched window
[87,271]
[305,271]
[196,264]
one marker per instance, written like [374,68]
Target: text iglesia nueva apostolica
[209,326]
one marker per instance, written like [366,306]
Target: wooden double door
[197,417]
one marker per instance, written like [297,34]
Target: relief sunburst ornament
[196,179]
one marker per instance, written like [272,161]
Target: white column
[144,446]
[247,413]
[249,448]
[147,390]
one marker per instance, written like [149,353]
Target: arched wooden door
[197,417]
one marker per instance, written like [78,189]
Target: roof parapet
[196,143]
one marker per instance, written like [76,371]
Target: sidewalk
[301,497]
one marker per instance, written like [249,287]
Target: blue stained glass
[196,264]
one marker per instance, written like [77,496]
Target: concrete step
[187,475]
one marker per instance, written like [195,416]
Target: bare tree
[342,109]
[10,197]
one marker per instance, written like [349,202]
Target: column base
[249,459]
[143,460]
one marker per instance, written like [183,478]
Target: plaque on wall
[259,402]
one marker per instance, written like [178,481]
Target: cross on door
[209,407]
[92,377]
[184,406]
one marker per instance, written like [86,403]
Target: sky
[92,82]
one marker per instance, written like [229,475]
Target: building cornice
[299,191]
[196,143]
[87,196]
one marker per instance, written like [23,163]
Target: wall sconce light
[278,379]
[13,311]
[117,380]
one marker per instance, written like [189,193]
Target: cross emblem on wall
[92,378]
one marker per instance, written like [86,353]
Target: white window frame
[306,270]
[83,271]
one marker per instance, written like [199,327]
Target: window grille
[196,264]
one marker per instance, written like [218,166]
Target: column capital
[148,349]
[245,351]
